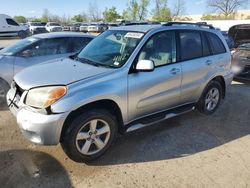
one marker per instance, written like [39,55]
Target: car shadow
[185,135]
[26,168]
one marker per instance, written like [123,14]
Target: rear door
[196,61]
[151,92]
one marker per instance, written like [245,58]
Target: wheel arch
[221,80]
[105,104]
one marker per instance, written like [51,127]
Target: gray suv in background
[125,79]
[34,50]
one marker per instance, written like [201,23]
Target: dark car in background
[241,55]
[229,40]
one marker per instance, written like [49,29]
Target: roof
[138,28]
[146,28]
[62,34]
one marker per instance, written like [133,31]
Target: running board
[138,124]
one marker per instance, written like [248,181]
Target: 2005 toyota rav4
[127,78]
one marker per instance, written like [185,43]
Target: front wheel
[90,135]
[210,98]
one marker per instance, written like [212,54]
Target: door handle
[175,71]
[208,62]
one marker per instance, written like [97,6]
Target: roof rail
[198,24]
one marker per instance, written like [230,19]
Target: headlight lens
[45,96]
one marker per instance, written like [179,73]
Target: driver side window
[161,49]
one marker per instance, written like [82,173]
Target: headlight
[45,96]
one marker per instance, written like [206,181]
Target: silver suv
[127,78]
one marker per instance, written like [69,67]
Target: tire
[210,101]
[22,34]
[82,146]
[4,88]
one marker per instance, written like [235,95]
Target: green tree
[136,10]
[110,15]
[143,9]
[161,13]
[20,19]
[80,18]
[217,17]
[45,16]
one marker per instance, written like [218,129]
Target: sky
[34,8]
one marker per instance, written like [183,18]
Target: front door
[152,92]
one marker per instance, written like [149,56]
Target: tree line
[138,10]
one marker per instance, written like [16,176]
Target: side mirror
[145,66]
[26,53]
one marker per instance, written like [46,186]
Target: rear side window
[216,44]
[11,22]
[205,46]
[190,45]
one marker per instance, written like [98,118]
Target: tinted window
[77,44]
[161,49]
[216,44]
[48,47]
[191,46]
[205,46]
[11,22]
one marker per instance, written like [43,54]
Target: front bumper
[37,127]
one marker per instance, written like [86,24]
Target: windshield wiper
[87,61]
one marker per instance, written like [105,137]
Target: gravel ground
[191,150]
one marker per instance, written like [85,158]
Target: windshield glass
[54,24]
[15,48]
[112,48]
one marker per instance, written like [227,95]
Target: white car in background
[84,27]
[97,27]
[53,27]
[9,27]
[36,28]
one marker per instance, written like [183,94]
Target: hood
[240,33]
[57,72]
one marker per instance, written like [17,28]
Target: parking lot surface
[191,150]
[5,41]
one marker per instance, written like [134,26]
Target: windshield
[15,48]
[36,24]
[112,48]
[54,24]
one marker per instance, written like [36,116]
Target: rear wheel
[210,98]
[90,135]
